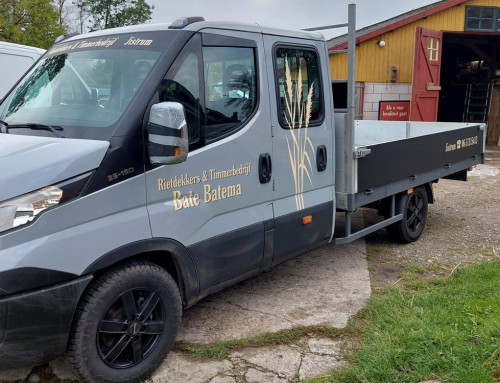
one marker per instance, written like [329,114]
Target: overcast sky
[290,14]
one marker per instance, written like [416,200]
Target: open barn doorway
[470,80]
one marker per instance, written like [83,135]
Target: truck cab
[172,161]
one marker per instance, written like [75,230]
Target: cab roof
[201,25]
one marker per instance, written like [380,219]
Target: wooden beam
[397,24]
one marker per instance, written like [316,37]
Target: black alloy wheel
[131,328]
[125,324]
[414,208]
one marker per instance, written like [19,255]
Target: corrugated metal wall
[373,63]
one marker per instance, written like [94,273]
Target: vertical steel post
[351,100]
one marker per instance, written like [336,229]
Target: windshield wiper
[54,129]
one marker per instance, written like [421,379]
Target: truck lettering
[137,41]
[234,171]
[185,202]
[462,143]
[450,147]
[221,192]
[177,182]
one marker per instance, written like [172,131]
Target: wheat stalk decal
[300,161]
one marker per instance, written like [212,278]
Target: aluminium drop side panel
[410,157]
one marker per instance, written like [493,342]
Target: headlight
[21,210]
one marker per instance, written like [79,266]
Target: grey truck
[145,167]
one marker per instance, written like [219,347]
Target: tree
[29,22]
[115,13]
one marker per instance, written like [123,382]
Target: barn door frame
[426,75]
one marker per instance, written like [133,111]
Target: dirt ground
[463,227]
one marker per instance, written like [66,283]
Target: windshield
[85,85]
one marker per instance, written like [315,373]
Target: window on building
[433,48]
[483,19]
[298,76]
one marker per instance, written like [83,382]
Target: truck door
[214,204]
[302,157]
[426,74]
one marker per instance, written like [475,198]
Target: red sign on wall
[394,111]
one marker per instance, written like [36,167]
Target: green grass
[221,350]
[445,329]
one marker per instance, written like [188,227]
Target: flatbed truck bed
[391,157]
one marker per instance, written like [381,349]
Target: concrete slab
[283,361]
[177,368]
[323,287]
[315,365]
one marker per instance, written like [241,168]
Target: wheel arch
[167,253]
[430,192]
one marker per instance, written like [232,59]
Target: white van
[15,59]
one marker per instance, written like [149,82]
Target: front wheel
[414,207]
[125,324]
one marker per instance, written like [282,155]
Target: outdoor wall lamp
[381,43]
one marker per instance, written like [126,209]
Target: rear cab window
[298,80]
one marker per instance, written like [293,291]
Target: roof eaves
[374,30]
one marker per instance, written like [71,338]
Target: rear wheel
[414,207]
[125,324]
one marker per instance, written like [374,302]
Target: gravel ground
[463,227]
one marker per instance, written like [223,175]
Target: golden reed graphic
[297,119]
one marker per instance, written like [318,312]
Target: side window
[183,84]
[298,76]
[217,87]
[230,89]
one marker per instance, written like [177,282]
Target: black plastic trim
[211,39]
[183,261]
[34,326]
[30,278]
[229,256]
[294,238]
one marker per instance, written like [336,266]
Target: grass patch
[447,329]
[432,267]
[221,350]
[414,269]
[489,251]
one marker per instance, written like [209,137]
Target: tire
[414,208]
[125,324]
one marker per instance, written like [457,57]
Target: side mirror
[168,141]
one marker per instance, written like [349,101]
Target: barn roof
[393,23]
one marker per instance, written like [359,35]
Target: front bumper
[34,326]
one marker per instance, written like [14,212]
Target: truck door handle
[321,158]
[265,168]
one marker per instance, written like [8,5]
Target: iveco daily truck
[146,167]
